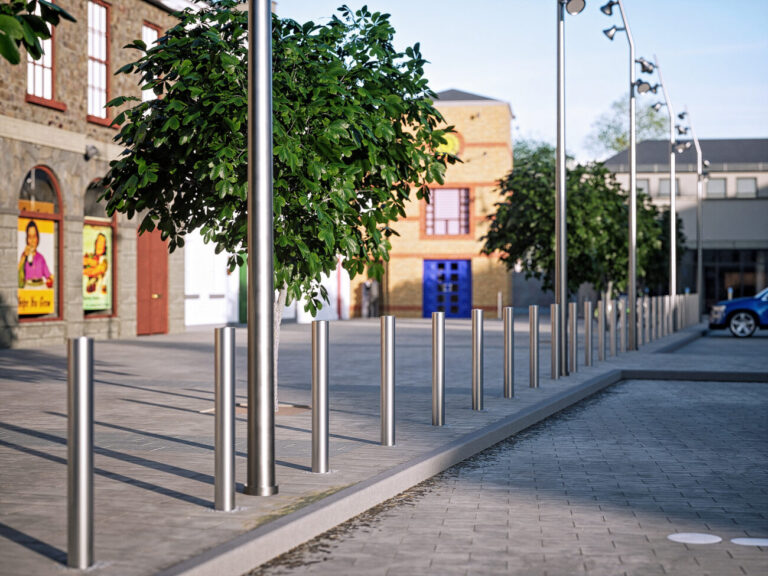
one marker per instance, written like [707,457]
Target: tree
[610,132]
[19,25]
[355,131]
[523,227]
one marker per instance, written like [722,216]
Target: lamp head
[643,86]
[611,32]
[573,7]
[682,115]
[657,106]
[608,8]
[706,163]
[681,130]
[645,66]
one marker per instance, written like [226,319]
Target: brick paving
[154,433]
[594,490]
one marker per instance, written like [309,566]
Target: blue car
[742,316]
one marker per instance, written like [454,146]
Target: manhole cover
[695,538]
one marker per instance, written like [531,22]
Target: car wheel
[742,324]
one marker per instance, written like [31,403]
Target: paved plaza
[154,438]
[596,489]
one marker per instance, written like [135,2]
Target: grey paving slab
[725,424]
[154,433]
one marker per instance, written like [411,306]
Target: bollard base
[261,490]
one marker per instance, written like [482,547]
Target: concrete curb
[680,342]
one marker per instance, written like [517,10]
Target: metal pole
[80,453]
[320,427]
[509,352]
[653,318]
[388,380]
[561,256]
[601,330]
[646,319]
[438,368]
[632,263]
[622,325]
[573,334]
[612,327]
[554,319]
[477,359]
[261,378]
[587,333]
[533,332]
[224,435]
[499,305]
[639,321]
[672,190]
[699,217]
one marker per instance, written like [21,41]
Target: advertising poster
[36,266]
[97,267]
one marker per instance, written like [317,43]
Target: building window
[447,213]
[716,188]
[99,248]
[664,187]
[642,185]
[39,246]
[746,187]
[41,75]
[98,61]
[149,35]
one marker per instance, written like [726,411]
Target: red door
[151,284]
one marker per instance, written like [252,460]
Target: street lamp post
[607,9]
[699,214]
[261,410]
[561,256]
[672,192]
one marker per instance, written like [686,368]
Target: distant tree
[610,132]
[20,26]
[523,228]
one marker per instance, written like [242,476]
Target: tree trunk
[277,318]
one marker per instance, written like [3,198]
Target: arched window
[98,256]
[39,247]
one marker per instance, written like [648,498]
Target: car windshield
[762,294]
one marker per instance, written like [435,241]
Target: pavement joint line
[249,550]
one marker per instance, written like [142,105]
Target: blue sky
[714,57]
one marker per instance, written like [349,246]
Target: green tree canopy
[610,132]
[523,227]
[355,131]
[19,25]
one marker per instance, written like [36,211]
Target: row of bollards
[657,317]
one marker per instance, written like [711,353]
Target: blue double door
[447,288]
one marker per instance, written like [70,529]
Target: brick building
[67,269]
[435,263]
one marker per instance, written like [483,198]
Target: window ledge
[60,106]
[101,121]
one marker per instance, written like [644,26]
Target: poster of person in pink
[36,266]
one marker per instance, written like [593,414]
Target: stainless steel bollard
[573,334]
[533,330]
[587,333]
[622,304]
[388,380]
[646,320]
[612,327]
[601,330]
[499,305]
[639,317]
[730,292]
[653,318]
[477,359]
[438,368]
[320,425]
[224,433]
[554,319]
[80,453]
[509,351]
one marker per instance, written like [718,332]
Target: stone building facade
[54,143]
[435,262]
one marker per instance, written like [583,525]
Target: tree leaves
[354,131]
[19,25]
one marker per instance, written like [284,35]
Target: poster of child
[36,269]
[97,277]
